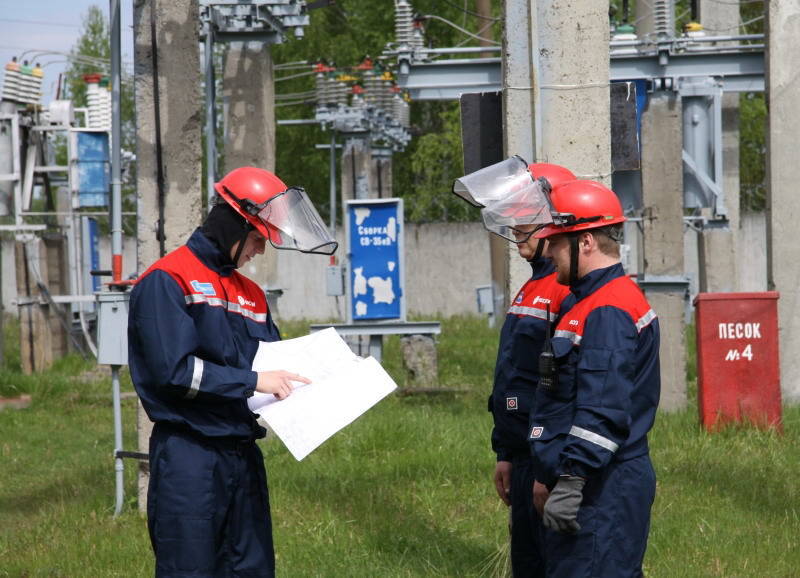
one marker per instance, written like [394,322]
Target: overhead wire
[470,12]
[462,30]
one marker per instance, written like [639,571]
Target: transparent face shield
[519,214]
[494,182]
[293,223]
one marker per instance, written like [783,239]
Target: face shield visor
[519,214]
[293,223]
[494,182]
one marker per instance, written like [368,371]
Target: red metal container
[738,367]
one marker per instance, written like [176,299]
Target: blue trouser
[208,507]
[526,526]
[615,519]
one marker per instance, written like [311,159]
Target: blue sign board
[92,165]
[375,239]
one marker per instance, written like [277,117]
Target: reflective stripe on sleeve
[197,376]
[228,305]
[596,439]
[645,320]
[531,312]
[571,335]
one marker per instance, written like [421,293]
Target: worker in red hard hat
[597,395]
[514,200]
[194,327]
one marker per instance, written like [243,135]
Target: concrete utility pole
[359,170]
[520,102]
[169,194]
[249,96]
[662,184]
[566,121]
[662,200]
[783,206]
[718,246]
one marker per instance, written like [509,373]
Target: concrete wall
[445,262]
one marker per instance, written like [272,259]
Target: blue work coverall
[594,424]
[193,331]
[515,378]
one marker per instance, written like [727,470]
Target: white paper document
[343,386]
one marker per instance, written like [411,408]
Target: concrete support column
[567,120]
[718,248]
[180,114]
[382,169]
[249,94]
[509,271]
[662,199]
[783,204]
[359,179]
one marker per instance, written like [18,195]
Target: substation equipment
[696,67]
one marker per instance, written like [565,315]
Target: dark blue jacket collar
[593,280]
[209,254]
[541,268]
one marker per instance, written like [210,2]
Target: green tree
[343,34]
[91,54]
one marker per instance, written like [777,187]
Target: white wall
[444,263]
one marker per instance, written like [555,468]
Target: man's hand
[561,508]
[278,383]
[502,481]
[540,495]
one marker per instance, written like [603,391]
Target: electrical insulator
[26,83]
[321,89]
[98,99]
[403,23]
[11,81]
[401,112]
[663,13]
[342,93]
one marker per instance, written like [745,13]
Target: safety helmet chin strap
[242,243]
[539,250]
[573,259]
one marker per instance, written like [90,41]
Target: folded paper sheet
[343,386]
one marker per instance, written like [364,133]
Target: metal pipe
[119,467]
[116,145]
[211,117]
[332,183]
[454,50]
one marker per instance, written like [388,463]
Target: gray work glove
[561,508]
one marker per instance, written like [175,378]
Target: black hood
[225,227]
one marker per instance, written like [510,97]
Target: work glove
[561,508]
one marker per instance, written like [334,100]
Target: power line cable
[39,23]
[470,12]
[462,30]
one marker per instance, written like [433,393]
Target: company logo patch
[243,301]
[574,322]
[511,403]
[536,432]
[206,289]
[519,298]
[541,300]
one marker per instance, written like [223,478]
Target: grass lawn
[404,491]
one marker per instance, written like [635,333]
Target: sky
[53,26]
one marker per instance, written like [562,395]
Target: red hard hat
[254,185]
[555,174]
[581,205]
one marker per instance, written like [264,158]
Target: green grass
[404,491]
